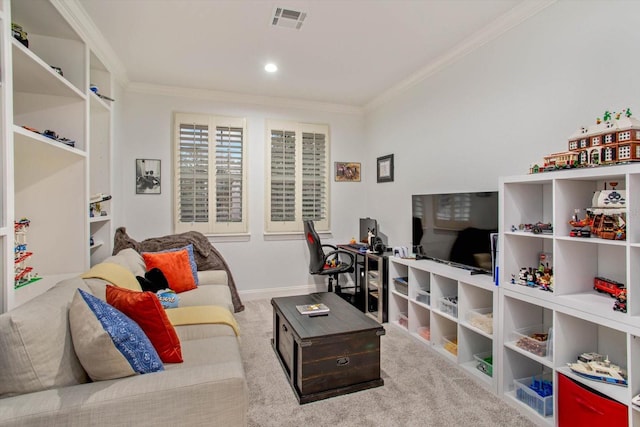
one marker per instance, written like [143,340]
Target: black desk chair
[331,263]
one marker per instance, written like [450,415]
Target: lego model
[621,302]
[613,140]
[23,274]
[597,367]
[540,277]
[608,286]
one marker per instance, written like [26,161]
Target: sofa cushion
[129,259]
[108,343]
[36,346]
[145,309]
[175,266]
[207,295]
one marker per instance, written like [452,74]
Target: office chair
[321,262]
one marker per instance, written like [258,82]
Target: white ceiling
[348,52]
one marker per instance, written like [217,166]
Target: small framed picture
[385,168]
[148,176]
[347,172]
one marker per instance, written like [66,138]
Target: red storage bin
[580,406]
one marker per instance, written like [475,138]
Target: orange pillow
[175,266]
[145,309]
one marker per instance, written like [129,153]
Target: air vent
[288,18]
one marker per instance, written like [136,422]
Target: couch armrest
[213,277]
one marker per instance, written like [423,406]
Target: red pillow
[175,266]
[145,309]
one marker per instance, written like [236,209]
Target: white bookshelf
[581,319]
[476,296]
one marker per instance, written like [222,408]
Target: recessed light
[271,68]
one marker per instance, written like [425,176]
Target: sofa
[42,381]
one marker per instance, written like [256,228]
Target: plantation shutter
[210,174]
[297,176]
[314,176]
[229,176]
[193,178]
[283,175]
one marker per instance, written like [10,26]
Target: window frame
[212,227]
[297,225]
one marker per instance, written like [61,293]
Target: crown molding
[504,23]
[78,18]
[240,98]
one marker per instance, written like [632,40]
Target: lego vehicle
[596,367]
[608,286]
[621,302]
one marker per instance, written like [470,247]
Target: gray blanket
[206,256]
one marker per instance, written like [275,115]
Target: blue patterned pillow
[109,344]
[192,259]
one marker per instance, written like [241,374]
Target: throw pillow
[192,259]
[175,266]
[145,309]
[168,298]
[108,344]
[153,281]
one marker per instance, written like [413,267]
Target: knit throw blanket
[206,256]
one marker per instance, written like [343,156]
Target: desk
[371,278]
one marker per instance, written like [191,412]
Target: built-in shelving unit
[100,134]
[45,86]
[449,310]
[576,318]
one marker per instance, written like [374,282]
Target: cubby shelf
[449,330]
[579,319]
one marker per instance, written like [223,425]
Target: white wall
[501,108]
[145,132]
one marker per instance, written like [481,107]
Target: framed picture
[347,172]
[385,168]
[147,176]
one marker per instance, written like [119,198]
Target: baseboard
[254,294]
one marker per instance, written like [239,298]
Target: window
[573,145]
[624,152]
[297,176]
[211,175]
[624,136]
[595,140]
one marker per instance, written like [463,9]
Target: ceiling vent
[288,18]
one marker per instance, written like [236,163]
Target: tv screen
[455,228]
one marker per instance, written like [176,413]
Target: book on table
[312,308]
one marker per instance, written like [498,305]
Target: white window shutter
[297,176]
[210,190]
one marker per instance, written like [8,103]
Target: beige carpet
[421,388]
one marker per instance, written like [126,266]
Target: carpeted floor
[421,388]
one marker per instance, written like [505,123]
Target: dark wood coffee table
[326,356]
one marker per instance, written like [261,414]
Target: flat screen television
[456,228]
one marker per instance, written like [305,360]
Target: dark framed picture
[385,168]
[148,176]
[347,172]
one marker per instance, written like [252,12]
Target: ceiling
[349,52]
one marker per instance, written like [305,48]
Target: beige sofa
[43,383]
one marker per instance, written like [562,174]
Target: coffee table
[326,356]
